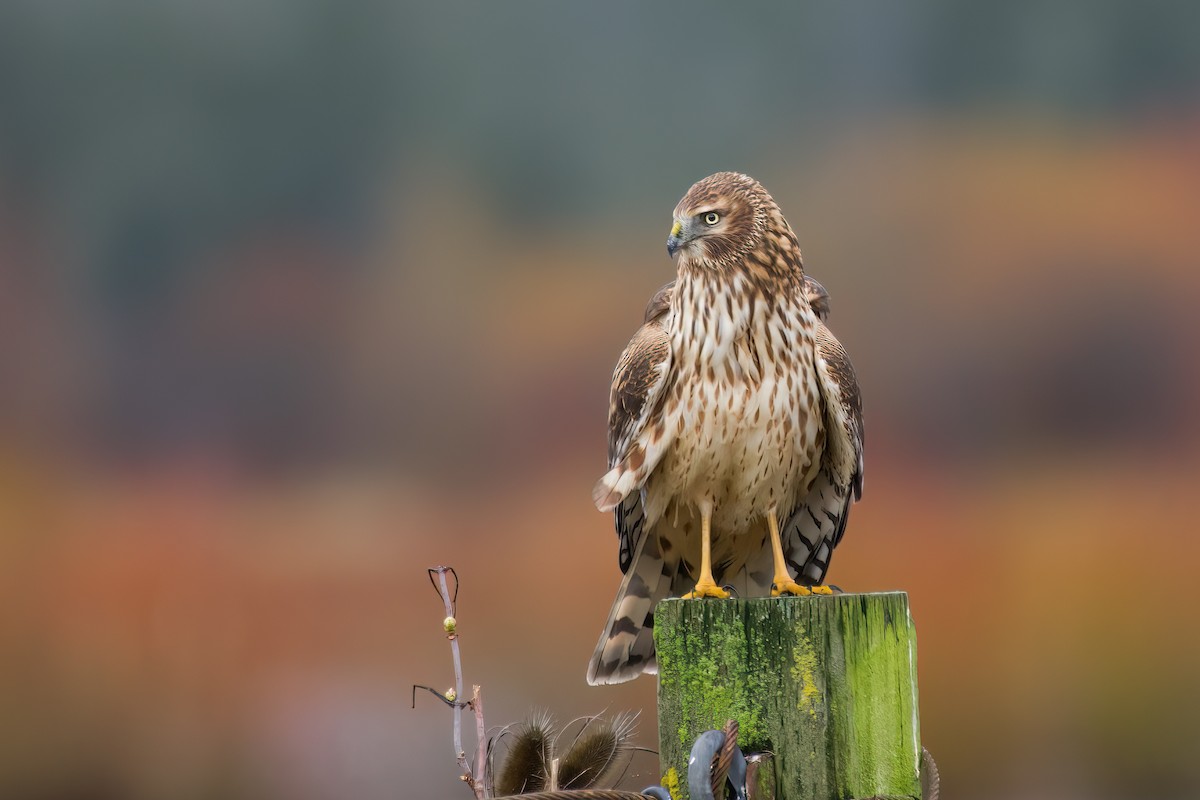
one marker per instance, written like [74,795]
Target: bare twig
[444,697]
[480,742]
[473,779]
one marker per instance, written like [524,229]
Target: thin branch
[480,741]
[437,576]
[439,696]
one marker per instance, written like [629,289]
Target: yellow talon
[821,588]
[706,588]
[782,582]
[789,586]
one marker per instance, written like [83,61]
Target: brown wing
[660,303]
[817,297]
[636,385]
[626,647]
[842,396]
[817,524]
[638,377]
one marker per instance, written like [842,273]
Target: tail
[626,648]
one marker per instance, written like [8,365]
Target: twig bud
[451,695]
[449,624]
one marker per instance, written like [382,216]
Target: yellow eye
[712,218]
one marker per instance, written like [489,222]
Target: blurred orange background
[299,299]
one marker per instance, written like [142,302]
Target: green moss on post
[826,684]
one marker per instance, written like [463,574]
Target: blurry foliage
[214,190]
[154,131]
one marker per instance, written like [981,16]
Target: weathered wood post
[827,684]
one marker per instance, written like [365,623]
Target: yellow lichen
[670,782]
[804,668]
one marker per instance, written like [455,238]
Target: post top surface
[816,598]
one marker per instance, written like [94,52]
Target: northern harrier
[735,424]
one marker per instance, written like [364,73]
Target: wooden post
[828,685]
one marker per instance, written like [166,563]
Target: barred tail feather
[626,647]
[630,519]
[815,528]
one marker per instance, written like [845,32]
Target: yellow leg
[782,582]
[706,586]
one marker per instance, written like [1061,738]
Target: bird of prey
[735,424]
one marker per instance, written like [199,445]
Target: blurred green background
[300,298]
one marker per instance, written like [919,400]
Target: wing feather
[641,374]
[817,524]
[817,297]
[652,565]
[636,387]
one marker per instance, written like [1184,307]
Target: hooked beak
[675,240]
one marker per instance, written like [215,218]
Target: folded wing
[817,523]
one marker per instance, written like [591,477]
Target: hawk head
[720,220]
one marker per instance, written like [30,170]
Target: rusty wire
[724,758]
[579,794]
[930,779]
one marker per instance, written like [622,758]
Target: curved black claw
[657,792]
